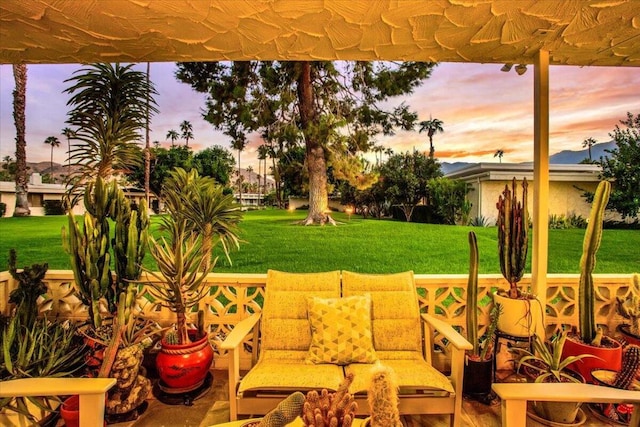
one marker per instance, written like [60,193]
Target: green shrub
[53,207]
[3,209]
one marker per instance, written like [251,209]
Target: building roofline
[502,171]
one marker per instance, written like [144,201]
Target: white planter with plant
[522,312]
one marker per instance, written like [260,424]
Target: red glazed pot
[606,357]
[70,411]
[625,331]
[183,367]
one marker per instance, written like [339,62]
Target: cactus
[286,411]
[630,308]
[330,409]
[586,292]
[382,395]
[488,342]
[472,295]
[130,239]
[630,365]
[88,247]
[513,237]
[30,288]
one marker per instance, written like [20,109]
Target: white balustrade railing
[232,297]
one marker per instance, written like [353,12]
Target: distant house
[39,193]
[567,183]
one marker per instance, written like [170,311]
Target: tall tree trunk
[264,180]
[19,107]
[315,158]
[239,179]
[147,146]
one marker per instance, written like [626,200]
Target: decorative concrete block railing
[232,297]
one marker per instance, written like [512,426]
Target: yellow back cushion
[395,312]
[285,324]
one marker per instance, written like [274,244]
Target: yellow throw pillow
[341,330]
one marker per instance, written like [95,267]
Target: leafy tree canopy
[622,167]
[216,162]
[329,107]
[405,178]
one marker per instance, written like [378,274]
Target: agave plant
[45,349]
[546,360]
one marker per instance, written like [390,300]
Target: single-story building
[40,192]
[567,184]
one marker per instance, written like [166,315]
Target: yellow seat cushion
[340,330]
[282,371]
[414,376]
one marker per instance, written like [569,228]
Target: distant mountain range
[563,157]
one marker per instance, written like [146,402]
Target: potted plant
[478,362]
[522,311]
[546,365]
[333,409]
[591,339]
[32,346]
[198,217]
[624,379]
[629,308]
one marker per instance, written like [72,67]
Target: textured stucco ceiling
[576,32]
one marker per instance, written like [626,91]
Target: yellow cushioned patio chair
[402,337]
[285,337]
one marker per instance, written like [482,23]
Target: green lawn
[272,240]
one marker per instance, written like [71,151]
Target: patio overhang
[538,32]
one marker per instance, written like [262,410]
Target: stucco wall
[565,198]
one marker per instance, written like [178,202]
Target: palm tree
[187,131]
[431,126]
[250,171]
[263,151]
[589,142]
[19,106]
[68,133]
[499,153]
[53,142]
[173,135]
[239,144]
[147,144]
[109,111]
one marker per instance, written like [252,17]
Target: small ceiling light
[506,68]
[521,69]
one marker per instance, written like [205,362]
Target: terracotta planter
[70,411]
[183,367]
[625,331]
[606,357]
[520,317]
[478,376]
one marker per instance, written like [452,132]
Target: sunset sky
[483,109]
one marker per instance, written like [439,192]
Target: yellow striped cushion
[341,330]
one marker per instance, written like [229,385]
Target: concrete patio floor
[213,408]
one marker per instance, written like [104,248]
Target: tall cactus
[513,237]
[88,248]
[129,241]
[472,294]
[586,292]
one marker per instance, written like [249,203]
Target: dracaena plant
[198,218]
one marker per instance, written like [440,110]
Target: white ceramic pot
[520,317]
